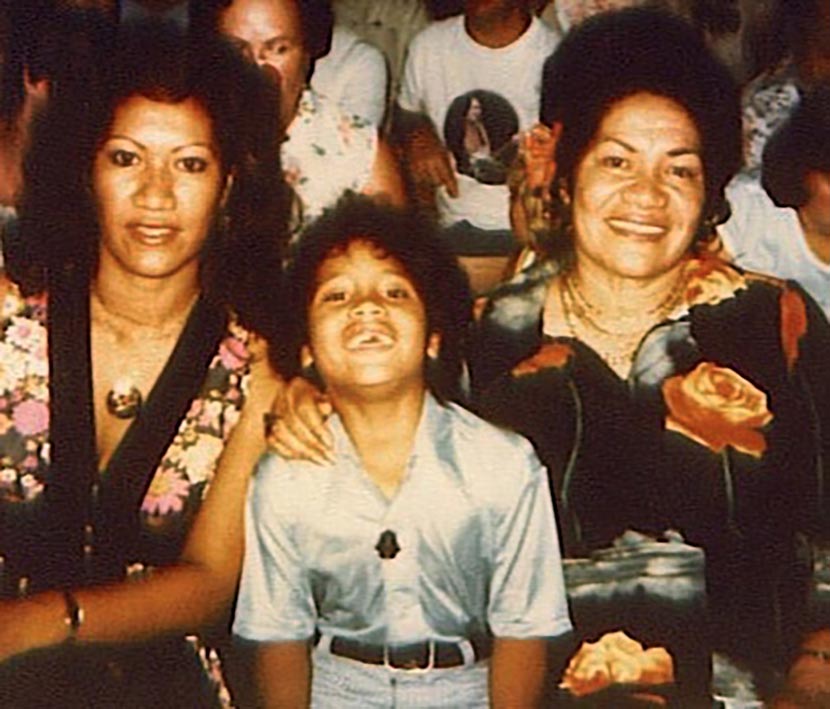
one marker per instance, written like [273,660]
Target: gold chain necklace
[588,312]
[619,354]
[124,399]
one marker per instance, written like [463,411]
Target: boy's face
[367,323]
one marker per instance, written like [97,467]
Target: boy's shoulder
[490,457]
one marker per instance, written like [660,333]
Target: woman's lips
[153,231]
[644,229]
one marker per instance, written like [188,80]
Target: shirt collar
[424,445]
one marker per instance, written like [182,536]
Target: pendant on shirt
[387,546]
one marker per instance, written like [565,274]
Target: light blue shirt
[473,519]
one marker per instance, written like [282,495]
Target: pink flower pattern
[24,417]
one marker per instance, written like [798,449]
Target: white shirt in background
[353,75]
[763,237]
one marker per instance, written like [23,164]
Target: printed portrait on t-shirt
[481,130]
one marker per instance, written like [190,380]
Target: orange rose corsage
[717,407]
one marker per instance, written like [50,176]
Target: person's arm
[171,600]
[283,672]
[385,181]
[517,673]
[275,607]
[527,605]
[426,159]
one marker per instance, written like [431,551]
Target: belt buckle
[414,669]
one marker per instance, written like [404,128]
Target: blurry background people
[326,152]
[353,74]
[793,52]
[782,226]
[497,47]
[663,388]
[44,44]
[27,36]
[388,25]
[151,233]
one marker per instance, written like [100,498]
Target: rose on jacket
[793,324]
[550,354]
[717,407]
[709,280]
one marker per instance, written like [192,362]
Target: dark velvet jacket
[721,431]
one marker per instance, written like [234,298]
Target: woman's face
[474,112]
[639,190]
[367,323]
[157,182]
[269,32]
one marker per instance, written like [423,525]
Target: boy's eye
[123,158]
[192,164]
[397,293]
[334,296]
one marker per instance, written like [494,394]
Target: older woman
[151,226]
[663,388]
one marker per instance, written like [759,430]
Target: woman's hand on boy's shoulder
[296,426]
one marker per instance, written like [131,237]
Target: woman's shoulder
[517,303]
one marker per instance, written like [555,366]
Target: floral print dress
[717,432]
[178,485]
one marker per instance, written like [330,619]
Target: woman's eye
[123,158]
[614,161]
[684,172]
[192,164]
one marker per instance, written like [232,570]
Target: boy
[424,560]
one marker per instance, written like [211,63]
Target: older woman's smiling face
[639,190]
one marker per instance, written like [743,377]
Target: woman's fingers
[300,430]
[293,440]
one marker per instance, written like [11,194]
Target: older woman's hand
[297,427]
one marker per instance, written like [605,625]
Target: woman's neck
[622,298]
[143,304]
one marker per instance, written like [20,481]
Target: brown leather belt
[413,656]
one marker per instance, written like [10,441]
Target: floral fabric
[185,471]
[716,432]
[180,481]
[327,152]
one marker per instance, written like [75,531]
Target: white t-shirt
[353,75]
[763,237]
[445,72]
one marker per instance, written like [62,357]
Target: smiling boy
[424,560]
